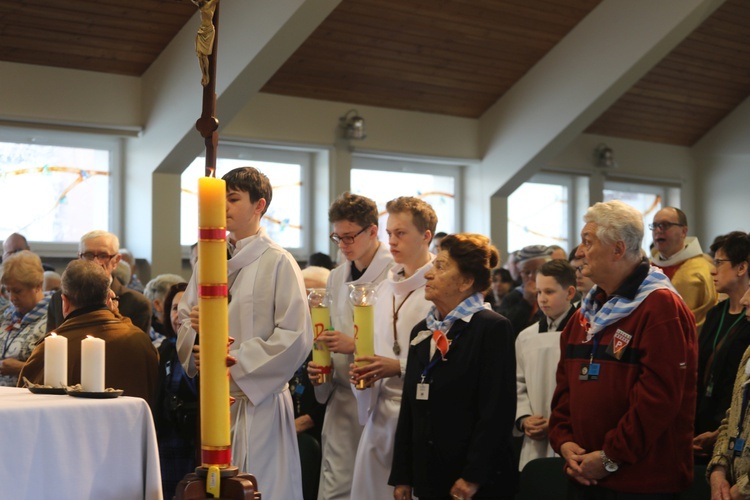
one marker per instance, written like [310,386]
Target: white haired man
[103,248]
[624,404]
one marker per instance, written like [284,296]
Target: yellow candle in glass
[214,324]
[364,341]
[321,321]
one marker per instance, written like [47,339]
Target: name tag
[423,392]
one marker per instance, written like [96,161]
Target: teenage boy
[400,305]
[537,355]
[270,322]
[355,231]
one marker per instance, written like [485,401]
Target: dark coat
[464,429]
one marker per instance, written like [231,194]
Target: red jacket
[641,409]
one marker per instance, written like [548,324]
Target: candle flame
[89,337]
[210,172]
[53,334]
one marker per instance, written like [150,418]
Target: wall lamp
[352,125]
[604,157]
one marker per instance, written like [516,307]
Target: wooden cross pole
[207,44]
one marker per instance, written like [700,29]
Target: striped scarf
[467,307]
[618,307]
[13,317]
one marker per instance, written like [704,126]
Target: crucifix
[216,477]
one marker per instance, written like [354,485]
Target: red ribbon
[212,291]
[216,457]
[212,234]
[326,369]
[441,342]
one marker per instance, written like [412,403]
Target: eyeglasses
[346,240]
[101,257]
[663,225]
[717,262]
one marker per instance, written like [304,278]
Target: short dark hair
[85,283]
[354,208]
[320,259]
[681,217]
[252,181]
[504,274]
[735,244]
[173,290]
[559,269]
[475,256]
[423,215]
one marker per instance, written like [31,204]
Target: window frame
[111,143]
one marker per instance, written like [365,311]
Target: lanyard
[8,339]
[721,323]
[594,347]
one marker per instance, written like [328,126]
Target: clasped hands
[586,468]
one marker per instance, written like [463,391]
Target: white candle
[56,360]
[92,364]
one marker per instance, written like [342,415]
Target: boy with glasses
[102,248]
[355,231]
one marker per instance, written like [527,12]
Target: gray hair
[158,287]
[122,272]
[617,221]
[99,233]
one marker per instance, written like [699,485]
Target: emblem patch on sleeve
[620,341]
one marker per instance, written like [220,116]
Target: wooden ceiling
[453,57]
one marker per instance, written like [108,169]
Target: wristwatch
[609,464]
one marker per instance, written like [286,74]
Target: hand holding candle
[363,297]
[92,364]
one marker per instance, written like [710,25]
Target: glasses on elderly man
[346,240]
[101,257]
[663,225]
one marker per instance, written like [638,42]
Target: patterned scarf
[467,307]
[618,307]
[13,317]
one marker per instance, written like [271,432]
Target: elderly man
[131,361]
[681,259]
[519,305]
[102,248]
[623,409]
[14,244]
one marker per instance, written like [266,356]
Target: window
[539,213]
[55,186]
[646,198]
[383,180]
[287,171]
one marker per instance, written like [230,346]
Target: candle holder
[362,296]
[319,300]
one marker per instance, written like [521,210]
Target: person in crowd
[315,276]
[520,305]
[537,355]
[16,243]
[4,302]
[355,231]
[193,255]
[557,252]
[723,341]
[270,322]
[583,283]
[131,361]
[400,304]
[176,401]
[156,291]
[681,259]
[134,283]
[24,321]
[435,246]
[51,281]
[502,284]
[320,259]
[624,405]
[103,248]
[459,392]
[512,266]
[122,272]
[728,471]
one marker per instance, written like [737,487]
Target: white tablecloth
[72,448]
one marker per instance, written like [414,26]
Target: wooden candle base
[234,485]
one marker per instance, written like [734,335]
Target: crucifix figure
[204,41]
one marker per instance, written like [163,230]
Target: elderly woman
[459,397]
[723,340]
[24,321]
